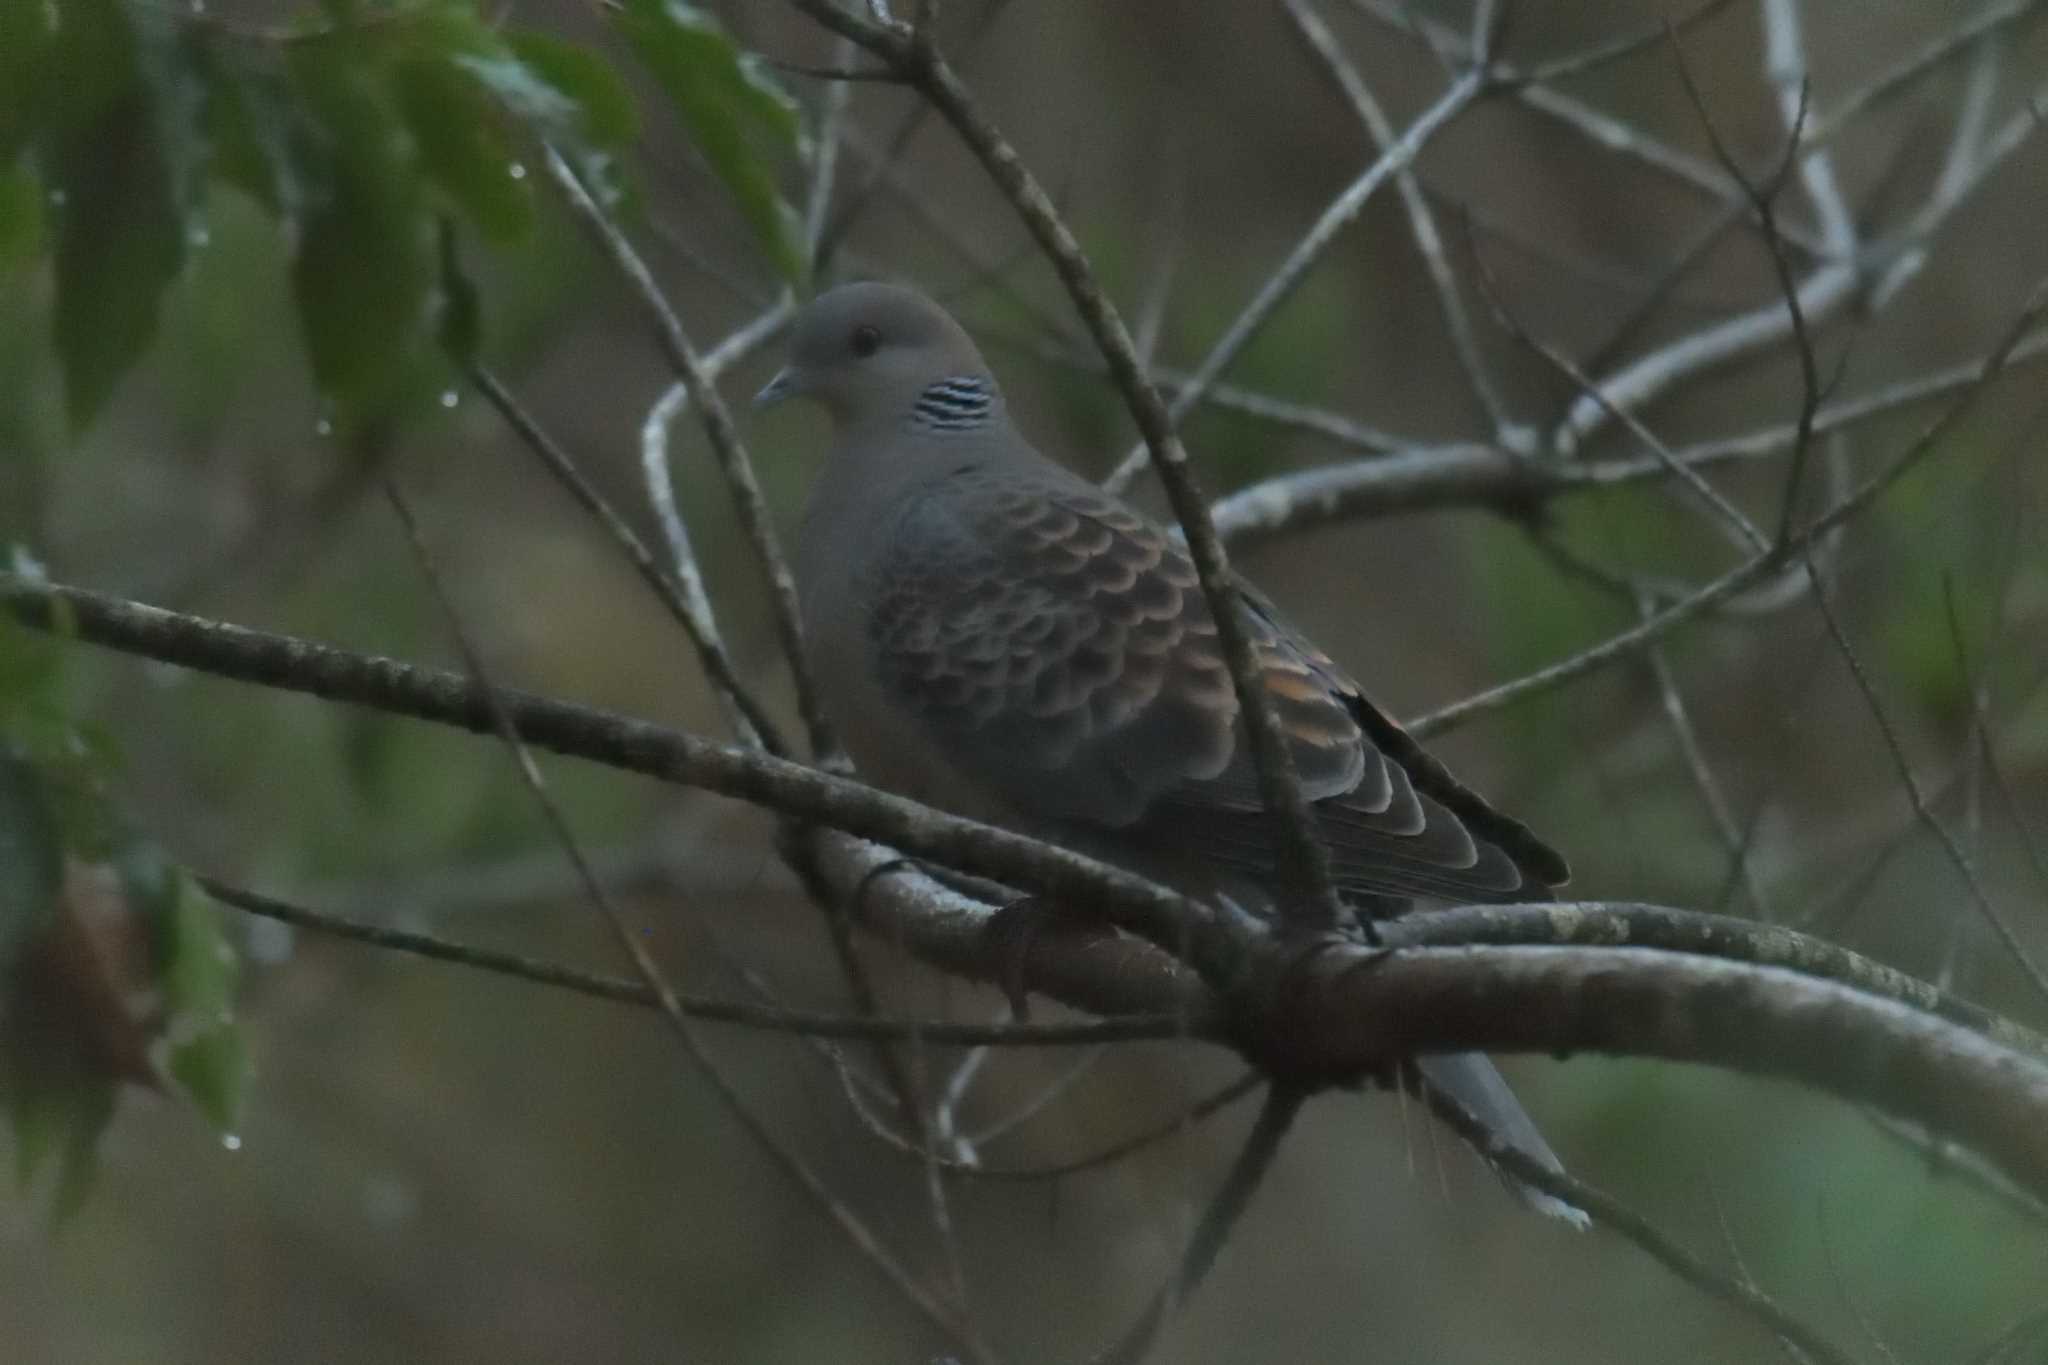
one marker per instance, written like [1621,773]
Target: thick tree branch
[632,745]
[1355,1009]
[1346,1011]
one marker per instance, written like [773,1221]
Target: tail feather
[1472,1081]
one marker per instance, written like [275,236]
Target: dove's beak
[783,385]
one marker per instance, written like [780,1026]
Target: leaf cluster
[371,134]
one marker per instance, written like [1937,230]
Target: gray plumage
[995,635]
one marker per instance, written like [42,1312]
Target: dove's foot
[1010,935]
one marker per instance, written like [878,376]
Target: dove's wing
[1058,649]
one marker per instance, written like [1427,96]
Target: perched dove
[999,637]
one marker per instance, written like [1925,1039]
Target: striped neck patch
[960,403]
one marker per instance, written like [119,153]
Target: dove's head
[870,350]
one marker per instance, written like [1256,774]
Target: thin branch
[1615,49]
[1281,283]
[1254,1159]
[723,436]
[1750,571]
[738,345]
[1785,68]
[825,156]
[1953,41]
[1472,475]
[1709,496]
[1783,31]
[1915,795]
[1942,1159]
[864,1240]
[970,1144]
[882,167]
[1821,295]
[1825,292]
[1535,88]
[1687,742]
[682,595]
[1175,1125]
[1429,243]
[597,985]
[1737,1291]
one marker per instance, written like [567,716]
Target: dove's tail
[1475,1085]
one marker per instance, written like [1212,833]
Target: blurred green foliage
[114,968]
[370,138]
[358,128]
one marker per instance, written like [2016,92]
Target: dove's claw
[1010,933]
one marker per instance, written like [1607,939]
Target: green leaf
[21,216]
[604,107]
[31,857]
[248,120]
[29,664]
[198,966]
[213,1071]
[119,242]
[361,280]
[730,109]
[463,148]
[61,64]
[208,1058]
[365,264]
[26,35]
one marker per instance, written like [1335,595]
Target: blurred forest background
[434,1164]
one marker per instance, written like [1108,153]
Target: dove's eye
[866,341]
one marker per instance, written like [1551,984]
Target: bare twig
[1916,796]
[1753,569]
[944,1032]
[1281,283]
[1469,475]
[1709,496]
[1822,294]
[1943,1159]
[1044,1098]
[1785,68]
[1173,1126]
[654,456]
[682,595]
[1429,244]
[1783,40]
[1953,41]
[724,438]
[1737,1291]
[864,1240]
[1687,742]
[1254,1159]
